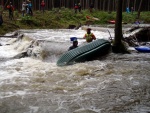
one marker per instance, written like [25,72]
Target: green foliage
[16,14]
[145,17]
[63,17]
[29,21]
[127,17]
[25,18]
[130,18]
[1,7]
[7,27]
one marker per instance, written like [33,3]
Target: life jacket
[43,4]
[11,8]
[89,37]
[76,7]
[8,6]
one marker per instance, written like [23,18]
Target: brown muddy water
[116,83]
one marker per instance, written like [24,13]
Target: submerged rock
[21,55]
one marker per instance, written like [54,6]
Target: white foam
[7,51]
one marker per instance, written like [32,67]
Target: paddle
[75,38]
[80,38]
[110,38]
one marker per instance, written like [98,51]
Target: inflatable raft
[112,21]
[84,53]
[144,49]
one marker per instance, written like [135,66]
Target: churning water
[116,83]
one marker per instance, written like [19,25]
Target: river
[115,83]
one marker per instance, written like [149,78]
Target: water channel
[115,83]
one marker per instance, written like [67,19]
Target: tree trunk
[1,19]
[139,9]
[128,3]
[104,5]
[1,13]
[118,46]
[52,4]
[96,4]
[108,6]
[123,2]
[148,5]
[118,25]
[135,5]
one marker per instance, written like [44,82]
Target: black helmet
[88,29]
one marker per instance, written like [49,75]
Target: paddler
[74,45]
[89,36]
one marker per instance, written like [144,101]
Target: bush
[63,17]
[28,20]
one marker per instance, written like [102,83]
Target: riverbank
[64,18]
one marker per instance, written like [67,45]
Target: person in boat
[89,36]
[74,45]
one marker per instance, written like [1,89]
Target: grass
[62,18]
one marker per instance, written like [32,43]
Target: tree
[1,13]
[118,46]
[108,6]
[139,10]
[1,19]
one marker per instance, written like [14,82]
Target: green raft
[84,53]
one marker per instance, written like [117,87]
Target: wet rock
[137,35]
[89,22]
[78,26]
[21,55]
[36,52]
[71,26]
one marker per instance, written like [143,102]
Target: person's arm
[93,36]
[70,48]
[84,36]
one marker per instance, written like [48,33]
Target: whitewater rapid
[113,84]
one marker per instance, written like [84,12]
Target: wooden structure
[137,35]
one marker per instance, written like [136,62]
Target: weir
[29,46]
[137,35]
